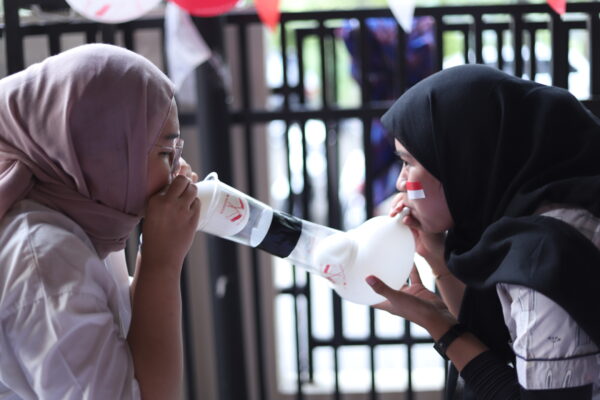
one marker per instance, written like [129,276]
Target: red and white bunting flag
[268,12]
[560,6]
[414,190]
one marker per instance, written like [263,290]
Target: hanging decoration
[184,46]
[112,11]
[206,8]
[268,12]
[560,6]
[403,11]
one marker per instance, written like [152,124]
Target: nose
[401,181]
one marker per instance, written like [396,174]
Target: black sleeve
[492,379]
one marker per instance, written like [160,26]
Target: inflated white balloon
[112,11]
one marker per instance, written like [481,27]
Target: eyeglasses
[174,154]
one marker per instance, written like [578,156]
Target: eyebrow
[403,154]
[171,136]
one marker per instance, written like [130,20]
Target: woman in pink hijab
[89,144]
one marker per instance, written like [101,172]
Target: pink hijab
[75,133]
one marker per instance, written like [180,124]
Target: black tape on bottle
[283,235]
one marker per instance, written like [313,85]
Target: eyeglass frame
[176,149]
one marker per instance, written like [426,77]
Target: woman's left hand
[185,169]
[414,302]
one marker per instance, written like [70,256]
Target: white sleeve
[552,351]
[65,342]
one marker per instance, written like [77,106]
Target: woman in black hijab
[510,225]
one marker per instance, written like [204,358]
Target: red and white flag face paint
[414,190]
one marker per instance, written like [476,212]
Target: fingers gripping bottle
[382,246]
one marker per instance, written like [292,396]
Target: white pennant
[185,48]
[403,11]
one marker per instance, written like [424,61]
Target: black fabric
[575,393]
[539,252]
[283,235]
[502,147]
[490,378]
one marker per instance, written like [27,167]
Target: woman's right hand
[170,223]
[428,245]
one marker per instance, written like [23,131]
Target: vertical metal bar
[532,56]
[242,49]
[13,39]
[439,42]
[128,40]
[365,104]
[333,66]
[108,33]
[300,59]
[212,117]
[284,64]
[338,334]
[466,47]
[53,41]
[90,33]
[560,51]
[324,77]
[285,90]
[517,39]
[410,395]
[372,341]
[594,50]
[332,161]
[478,38]
[499,46]
[286,107]
[188,337]
[299,390]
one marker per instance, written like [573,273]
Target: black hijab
[502,147]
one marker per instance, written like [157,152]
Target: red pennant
[560,6]
[206,8]
[268,11]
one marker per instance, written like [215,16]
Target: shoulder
[528,246]
[43,253]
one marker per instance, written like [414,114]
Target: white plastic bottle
[382,246]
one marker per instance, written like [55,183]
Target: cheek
[437,211]
[158,175]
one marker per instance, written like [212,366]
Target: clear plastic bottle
[381,246]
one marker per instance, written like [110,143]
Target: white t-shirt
[64,312]
[552,352]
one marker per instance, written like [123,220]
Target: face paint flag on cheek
[414,190]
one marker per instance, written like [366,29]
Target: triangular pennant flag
[403,11]
[268,11]
[560,6]
[185,47]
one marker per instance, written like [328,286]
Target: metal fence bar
[213,116]
[593,27]
[560,52]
